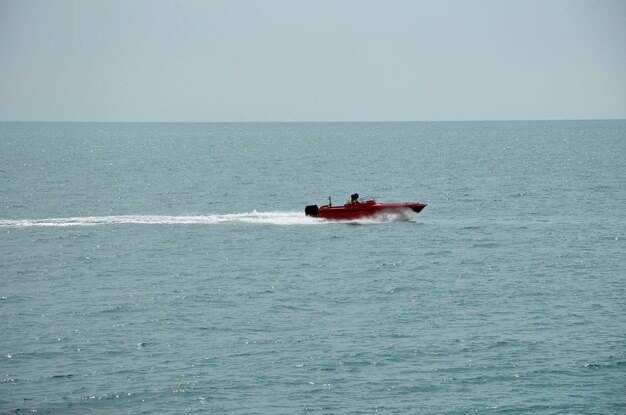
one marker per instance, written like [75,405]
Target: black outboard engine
[312,210]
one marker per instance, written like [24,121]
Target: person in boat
[354,199]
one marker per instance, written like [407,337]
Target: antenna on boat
[330,202]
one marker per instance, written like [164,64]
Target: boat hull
[363,210]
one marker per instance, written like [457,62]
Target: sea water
[169,268]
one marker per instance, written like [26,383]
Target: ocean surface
[169,268]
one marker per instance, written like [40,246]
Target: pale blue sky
[316,60]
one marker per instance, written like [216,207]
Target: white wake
[267,218]
[261,218]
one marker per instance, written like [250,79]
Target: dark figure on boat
[354,199]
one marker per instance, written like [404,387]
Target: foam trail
[263,218]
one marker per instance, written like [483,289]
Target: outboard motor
[312,210]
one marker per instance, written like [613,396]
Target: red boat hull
[367,209]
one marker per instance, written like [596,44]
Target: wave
[261,218]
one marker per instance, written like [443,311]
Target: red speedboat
[361,210]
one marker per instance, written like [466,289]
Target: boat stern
[312,210]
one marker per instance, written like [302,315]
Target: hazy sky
[315,60]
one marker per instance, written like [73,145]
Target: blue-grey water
[169,268]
